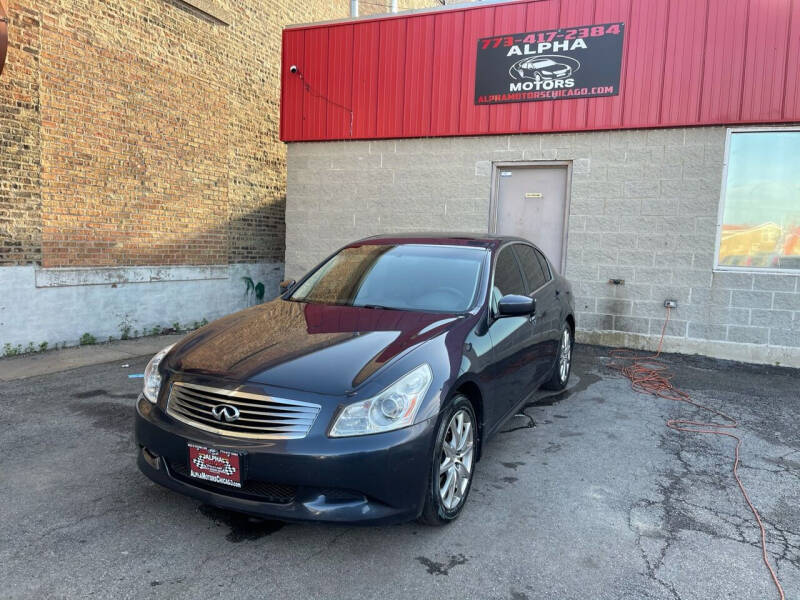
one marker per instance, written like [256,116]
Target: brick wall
[145,132]
[20,147]
[643,208]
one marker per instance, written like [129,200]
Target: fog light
[150,458]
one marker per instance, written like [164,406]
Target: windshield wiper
[376,306]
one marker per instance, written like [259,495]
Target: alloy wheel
[565,356]
[455,464]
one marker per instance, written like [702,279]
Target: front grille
[251,488]
[260,416]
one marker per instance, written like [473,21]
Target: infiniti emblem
[225,412]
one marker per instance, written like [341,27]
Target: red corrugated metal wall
[685,62]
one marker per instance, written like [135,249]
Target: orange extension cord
[649,375]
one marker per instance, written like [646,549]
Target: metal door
[531,202]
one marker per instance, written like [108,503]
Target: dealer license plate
[218,466]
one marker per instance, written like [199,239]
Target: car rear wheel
[563,365]
[453,463]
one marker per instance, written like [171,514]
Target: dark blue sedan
[367,390]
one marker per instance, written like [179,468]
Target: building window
[760,211]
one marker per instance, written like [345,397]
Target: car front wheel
[453,464]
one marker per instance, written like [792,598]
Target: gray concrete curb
[54,361]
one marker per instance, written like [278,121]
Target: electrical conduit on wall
[3,35]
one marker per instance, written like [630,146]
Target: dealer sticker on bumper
[214,465]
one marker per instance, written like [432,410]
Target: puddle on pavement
[441,568]
[242,527]
[90,394]
[529,423]
[512,465]
[110,416]
[100,392]
[546,398]
[551,398]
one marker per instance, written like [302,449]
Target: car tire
[443,501]
[563,364]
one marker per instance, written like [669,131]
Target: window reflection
[507,277]
[761,204]
[414,277]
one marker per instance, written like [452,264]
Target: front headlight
[152,378]
[393,408]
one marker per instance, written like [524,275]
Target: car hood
[311,347]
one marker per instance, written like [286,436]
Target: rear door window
[530,266]
[548,275]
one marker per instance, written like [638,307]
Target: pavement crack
[65,526]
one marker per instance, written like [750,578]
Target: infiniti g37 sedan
[367,390]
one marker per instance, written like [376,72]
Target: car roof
[483,240]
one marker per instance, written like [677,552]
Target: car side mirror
[513,305]
[286,285]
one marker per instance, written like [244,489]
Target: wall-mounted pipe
[3,36]
[394,6]
[353,8]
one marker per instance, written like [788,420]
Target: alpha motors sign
[557,64]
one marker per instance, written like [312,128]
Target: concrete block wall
[643,208]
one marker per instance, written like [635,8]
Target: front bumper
[373,479]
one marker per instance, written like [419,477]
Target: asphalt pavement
[586,495]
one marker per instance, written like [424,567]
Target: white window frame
[721,210]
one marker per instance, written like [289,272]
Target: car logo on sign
[225,412]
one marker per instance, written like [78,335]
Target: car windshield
[544,63]
[415,277]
